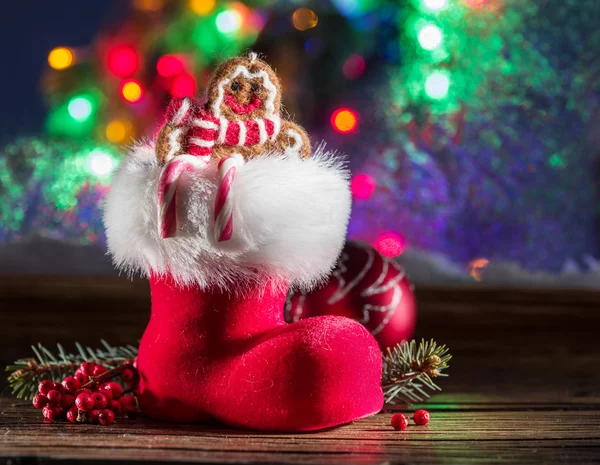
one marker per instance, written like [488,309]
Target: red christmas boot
[217,345]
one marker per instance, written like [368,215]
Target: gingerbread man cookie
[241,115]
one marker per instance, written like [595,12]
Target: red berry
[98,370]
[421,417]
[83,390]
[71,384]
[45,387]
[93,416]
[106,417]
[81,377]
[115,406]
[105,389]
[115,389]
[127,404]
[67,401]
[100,400]
[84,402]
[54,397]
[72,414]
[51,412]
[58,387]
[87,368]
[127,375]
[399,422]
[40,401]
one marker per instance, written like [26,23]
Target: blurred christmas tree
[489,147]
[469,124]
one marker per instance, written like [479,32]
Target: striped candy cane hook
[223,201]
[167,191]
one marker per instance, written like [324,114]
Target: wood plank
[523,384]
[453,437]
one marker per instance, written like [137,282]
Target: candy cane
[167,191]
[223,201]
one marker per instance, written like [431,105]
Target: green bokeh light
[434,5]
[80,108]
[76,117]
[228,22]
[430,37]
[437,85]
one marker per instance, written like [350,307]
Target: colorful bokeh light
[344,120]
[80,108]
[100,163]
[118,131]
[169,65]
[434,5]
[437,85]
[229,21]
[202,7]
[390,244]
[354,66]
[61,58]
[304,18]
[148,5]
[131,91]
[476,267]
[183,85]
[362,186]
[122,60]
[430,37]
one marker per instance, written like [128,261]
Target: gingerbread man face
[244,88]
[241,115]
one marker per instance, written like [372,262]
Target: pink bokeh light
[390,244]
[362,186]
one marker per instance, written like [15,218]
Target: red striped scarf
[205,130]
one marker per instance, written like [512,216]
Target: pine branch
[408,371]
[27,373]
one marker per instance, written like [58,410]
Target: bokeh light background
[470,126]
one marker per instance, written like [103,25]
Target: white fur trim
[290,221]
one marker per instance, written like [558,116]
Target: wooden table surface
[524,385]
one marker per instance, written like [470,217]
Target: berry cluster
[88,396]
[400,422]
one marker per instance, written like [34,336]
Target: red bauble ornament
[367,287]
